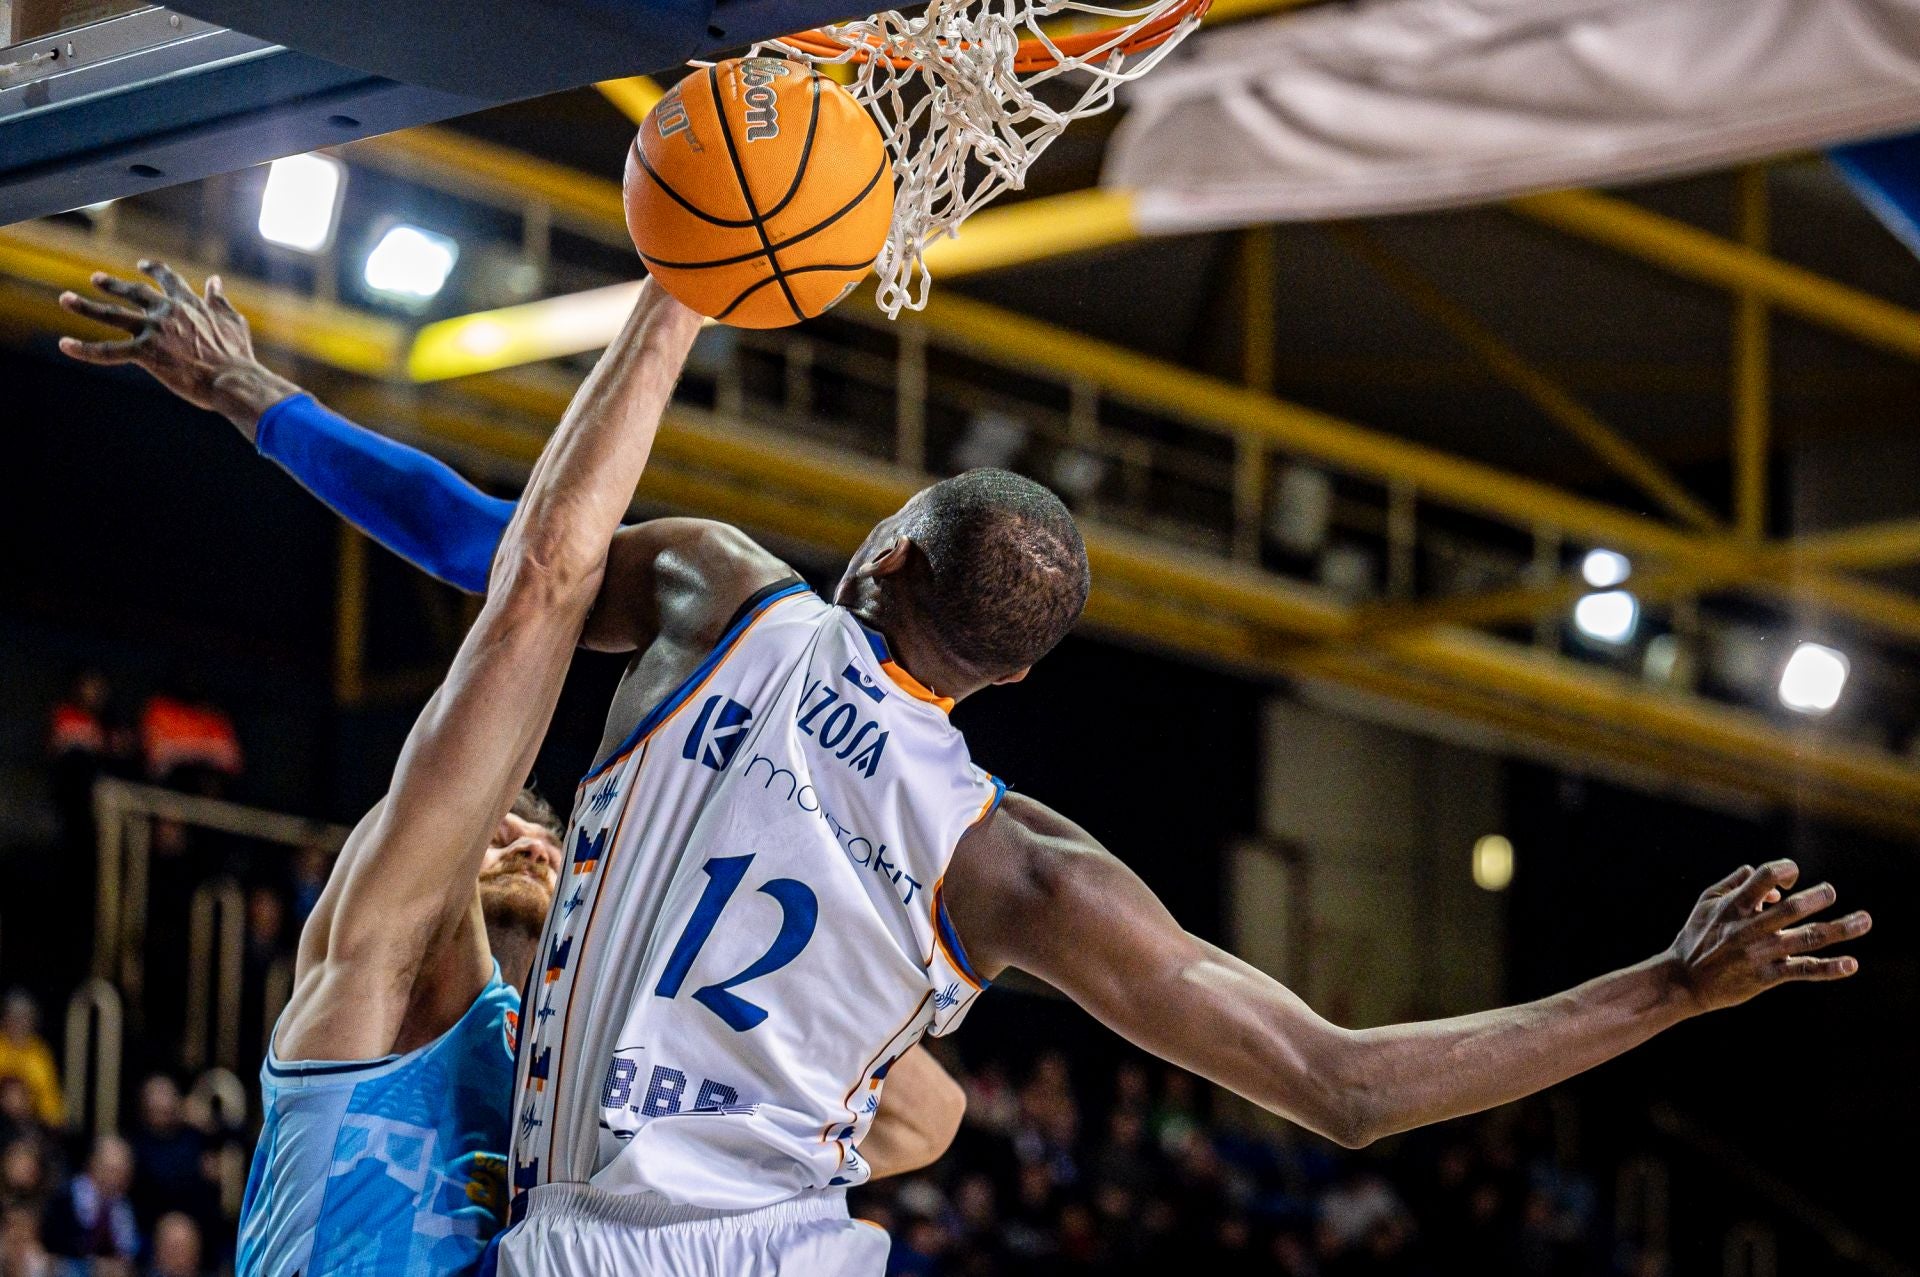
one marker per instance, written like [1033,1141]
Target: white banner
[1403,105]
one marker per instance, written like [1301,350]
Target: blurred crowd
[146,1204]
[157,1199]
[1043,1180]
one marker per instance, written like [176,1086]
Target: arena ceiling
[1481,397]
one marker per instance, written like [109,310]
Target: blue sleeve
[409,502]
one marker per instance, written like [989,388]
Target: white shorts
[571,1229]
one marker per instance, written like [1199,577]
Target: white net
[956,93]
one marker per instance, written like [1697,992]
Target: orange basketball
[758,192]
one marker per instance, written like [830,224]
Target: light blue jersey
[395,1166]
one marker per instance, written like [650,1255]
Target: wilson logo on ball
[763,111]
[670,117]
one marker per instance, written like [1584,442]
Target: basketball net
[955,92]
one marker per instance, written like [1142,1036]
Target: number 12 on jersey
[799,911]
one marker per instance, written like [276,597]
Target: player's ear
[893,558]
[1014,677]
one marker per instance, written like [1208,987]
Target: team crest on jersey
[718,733]
[512,1027]
[868,688]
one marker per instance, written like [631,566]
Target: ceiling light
[1604,569]
[1813,679]
[1492,863]
[1609,617]
[411,263]
[301,202]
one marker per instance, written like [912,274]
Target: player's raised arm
[1032,890]
[406,876]
[199,347]
[667,574]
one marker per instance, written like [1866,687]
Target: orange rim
[1033,54]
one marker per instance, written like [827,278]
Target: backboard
[103,98]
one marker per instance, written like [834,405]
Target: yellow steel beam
[1019,342]
[1101,217]
[1034,229]
[1872,545]
[1752,372]
[550,328]
[1526,722]
[634,96]
[447,349]
[472,169]
[1506,363]
[1193,602]
[58,257]
[1697,254]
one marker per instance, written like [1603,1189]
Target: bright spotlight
[1609,617]
[1813,679]
[411,263]
[301,202]
[1492,863]
[1604,569]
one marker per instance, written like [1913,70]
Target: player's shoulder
[705,570]
[1022,849]
[1013,871]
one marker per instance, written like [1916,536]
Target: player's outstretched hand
[195,345]
[1744,937]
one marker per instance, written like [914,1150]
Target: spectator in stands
[18,1118]
[92,1219]
[24,1054]
[189,743]
[176,1248]
[82,741]
[21,1254]
[168,1152]
[24,1174]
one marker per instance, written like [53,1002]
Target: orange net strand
[1033,54]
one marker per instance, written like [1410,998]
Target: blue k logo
[718,734]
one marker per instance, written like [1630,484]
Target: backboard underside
[126,103]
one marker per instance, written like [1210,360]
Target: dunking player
[786,870]
[387,1087]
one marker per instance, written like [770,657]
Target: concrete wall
[1361,897]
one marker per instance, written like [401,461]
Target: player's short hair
[1006,570]
[531,807]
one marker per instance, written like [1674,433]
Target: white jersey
[750,929]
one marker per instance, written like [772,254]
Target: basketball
[758,193]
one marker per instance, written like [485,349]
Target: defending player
[387,1086]
[788,871]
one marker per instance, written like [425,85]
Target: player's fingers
[1771,898]
[1729,882]
[1818,935]
[168,279]
[1801,904]
[142,295]
[100,352]
[1817,968]
[1773,874]
[101,313]
[217,295]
